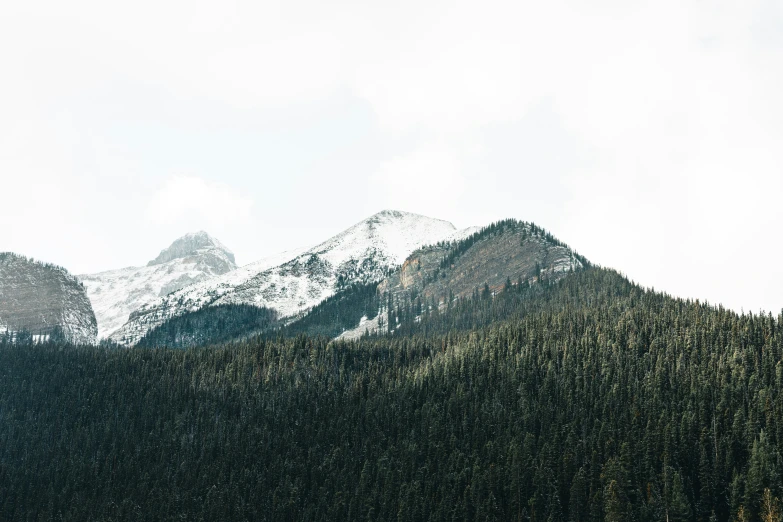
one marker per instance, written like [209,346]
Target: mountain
[505,254]
[115,294]
[201,247]
[510,380]
[43,300]
[293,282]
[413,297]
[506,251]
[588,398]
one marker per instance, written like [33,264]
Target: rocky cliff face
[510,250]
[41,298]
[116,294]
[361,254]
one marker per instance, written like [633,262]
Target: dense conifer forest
[338,313]
[209,325]
[219,324]
[586,399]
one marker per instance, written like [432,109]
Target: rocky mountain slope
[294,282]
[508,252]
[115,294]
[43,299]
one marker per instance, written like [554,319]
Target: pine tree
[679,509]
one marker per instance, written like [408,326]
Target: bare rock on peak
[191,245]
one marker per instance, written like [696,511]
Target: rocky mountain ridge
[398,257]
[506,251]
[43,300]
[503,254]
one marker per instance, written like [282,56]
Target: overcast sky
[647,135]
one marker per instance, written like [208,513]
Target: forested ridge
[585,399]
[458,248]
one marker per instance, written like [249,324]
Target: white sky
[647,135]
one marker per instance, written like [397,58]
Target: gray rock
[516,253]
[194,244]
[42,298]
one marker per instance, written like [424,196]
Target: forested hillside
[210,325]
[592,400]
[224,323]
[415,314]
[336,314]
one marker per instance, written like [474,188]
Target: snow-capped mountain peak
[392,232]
[115,294]
[191,244]
[363,253]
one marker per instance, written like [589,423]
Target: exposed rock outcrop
[44,300]
[508,251]
[199,246]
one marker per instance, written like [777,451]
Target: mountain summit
[192,258]
[194,244]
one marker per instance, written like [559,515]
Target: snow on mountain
[198,243]
[463,233]
[115,294]
[296,281]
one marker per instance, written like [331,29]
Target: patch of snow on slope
[116,293]
[370,326]
[205,292]
[462,233]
